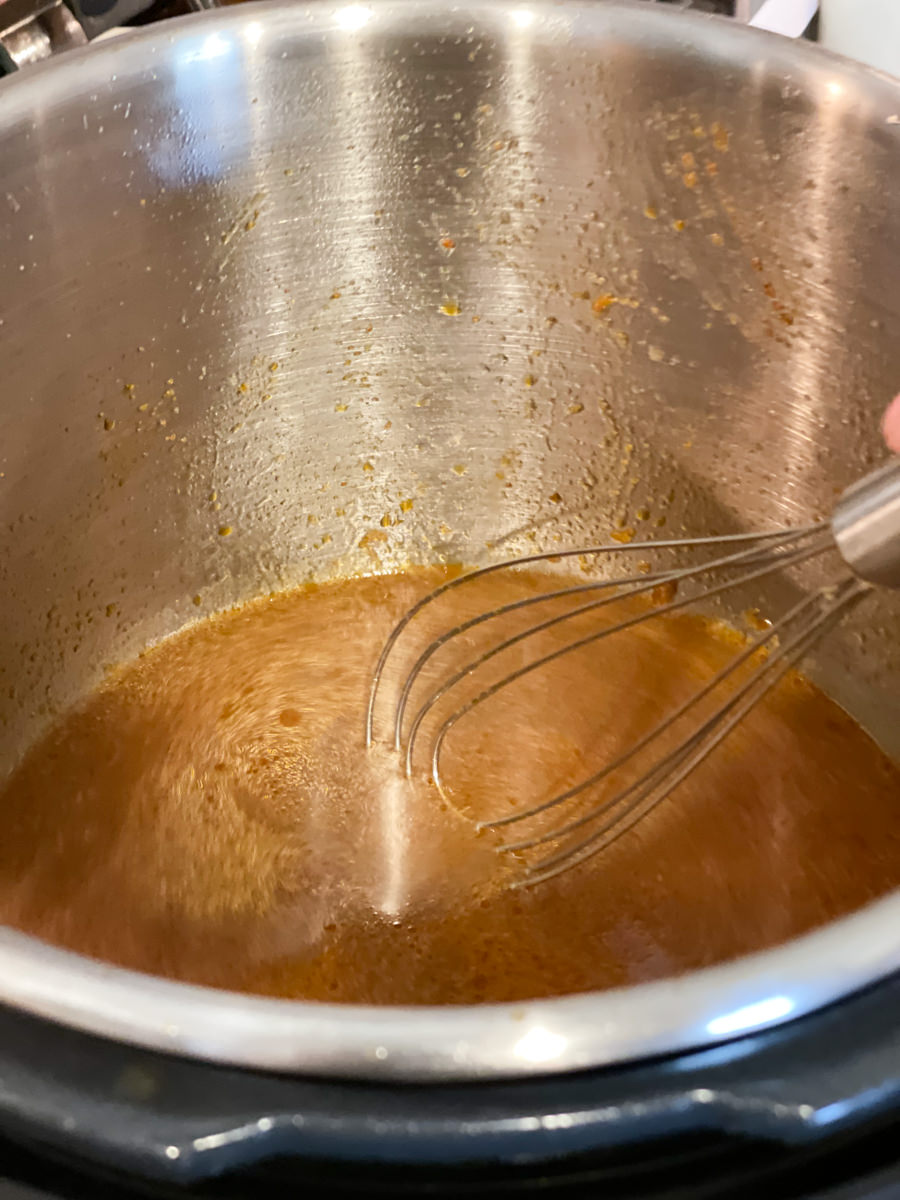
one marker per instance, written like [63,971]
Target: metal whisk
[864,529]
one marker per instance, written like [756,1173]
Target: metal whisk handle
[866,526]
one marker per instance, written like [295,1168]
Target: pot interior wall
[267,275]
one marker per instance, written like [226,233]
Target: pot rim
[466,1042]
[433,1044]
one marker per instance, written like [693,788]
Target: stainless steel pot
[604,253]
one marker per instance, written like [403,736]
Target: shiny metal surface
[866,526]
[541,268]
[33,30]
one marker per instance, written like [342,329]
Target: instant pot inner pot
[547,276]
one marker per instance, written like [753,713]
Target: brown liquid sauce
[210,814]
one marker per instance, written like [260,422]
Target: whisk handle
[866,526]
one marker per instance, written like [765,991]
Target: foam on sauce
[210,814]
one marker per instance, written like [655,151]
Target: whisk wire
[514,606]
[688,756]
[546,556]
[648,581]
[778,562]
[755,687]
[753,646]
[868,556]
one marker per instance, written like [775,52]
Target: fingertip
[891,425]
